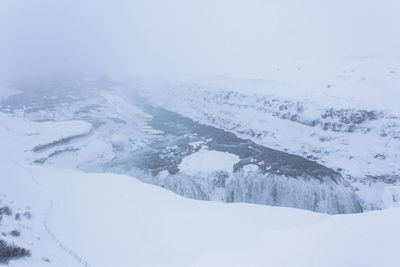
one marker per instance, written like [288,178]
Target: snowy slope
[105,219]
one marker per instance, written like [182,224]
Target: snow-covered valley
[65,154]
[72,218]
[155,145]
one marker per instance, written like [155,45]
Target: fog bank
[45,37]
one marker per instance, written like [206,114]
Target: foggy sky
[90,36]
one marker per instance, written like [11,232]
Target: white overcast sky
[51,36]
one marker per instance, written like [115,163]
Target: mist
[45,37]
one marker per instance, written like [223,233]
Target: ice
[268,189]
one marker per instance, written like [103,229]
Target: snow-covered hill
[70,218]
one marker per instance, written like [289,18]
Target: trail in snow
[60,244]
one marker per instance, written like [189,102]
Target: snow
[64,130]
[249,168]
[391,197]
[46,133]
[352,82]
[339,241]
[107,219]
[208,161]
